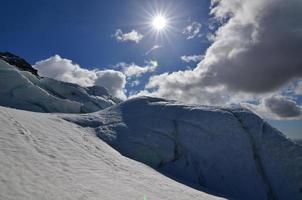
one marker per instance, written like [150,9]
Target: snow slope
[24,90]
[45,157]
[230,151]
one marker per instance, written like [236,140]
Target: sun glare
[159,22]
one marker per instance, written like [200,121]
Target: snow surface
[45,157]
[227,152]
[23,90]
[232,152]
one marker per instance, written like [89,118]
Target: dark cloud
[260,48]
[283,107]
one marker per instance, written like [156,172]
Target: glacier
[27,91]
[73,142]
[230,151]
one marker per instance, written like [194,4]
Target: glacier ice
[23,90]
[230,151]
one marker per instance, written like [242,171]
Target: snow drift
[230,151]
[27,91]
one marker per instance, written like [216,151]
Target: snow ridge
[227,151]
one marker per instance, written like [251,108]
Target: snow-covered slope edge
[24,90]
[230,151]
[45,157]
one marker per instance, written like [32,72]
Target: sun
[159,22]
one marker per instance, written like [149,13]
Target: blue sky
[84,33]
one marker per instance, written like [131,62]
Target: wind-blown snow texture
[229,151]
[24,90]
[45,157]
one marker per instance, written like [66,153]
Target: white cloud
[192,30]
[114,81]
[134,83]
[133,70]
[255,51]
[192,58]
[133,36]
[65,70]
[153,49]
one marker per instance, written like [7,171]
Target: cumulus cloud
[132,36]
[192,30]
[192,58]
[283,107]
[114,81]
[65,70]
[277,107]
[133,70]
[153,49]
[256,50]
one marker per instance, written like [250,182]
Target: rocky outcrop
[18,62]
